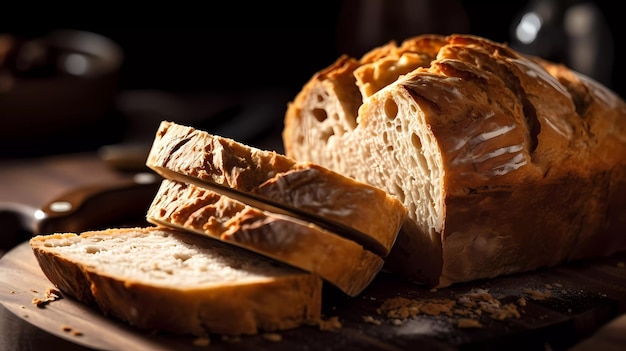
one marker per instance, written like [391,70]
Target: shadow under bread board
[559,307]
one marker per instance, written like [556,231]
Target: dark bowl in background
[56,91]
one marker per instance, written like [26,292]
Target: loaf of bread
[304,189]
[341,262]
[506,163]
[160,279]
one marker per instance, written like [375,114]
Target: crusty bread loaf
[187,154]
[161,279]
[341,262]
[506,163]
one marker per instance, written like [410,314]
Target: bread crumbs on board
[329,324]
[469,323]
[274,337]
[202,341]
[371,320]
[231,338]
[468,307]
[537,294]
[50,295]
[69,329]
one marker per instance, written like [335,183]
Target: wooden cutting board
[558,307]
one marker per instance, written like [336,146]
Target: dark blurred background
[235,75]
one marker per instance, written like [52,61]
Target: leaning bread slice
[160,279]
[303,189]
[341,262]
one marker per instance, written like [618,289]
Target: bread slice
[160,279]
[331,200]
[506,163]
[341,262]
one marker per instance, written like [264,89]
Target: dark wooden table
[587,310]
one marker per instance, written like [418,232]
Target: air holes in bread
[416,141]
[92,249]
[320,98]
[319,114]
[326,133]
[391,109]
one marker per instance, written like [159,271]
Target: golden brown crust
[304,187]
[277,302]
[339,261]
[525,160]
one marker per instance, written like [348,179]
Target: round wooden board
[589,295]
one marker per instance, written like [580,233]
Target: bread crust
[180,150]
[525,166]
[277,302]
[341,262]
